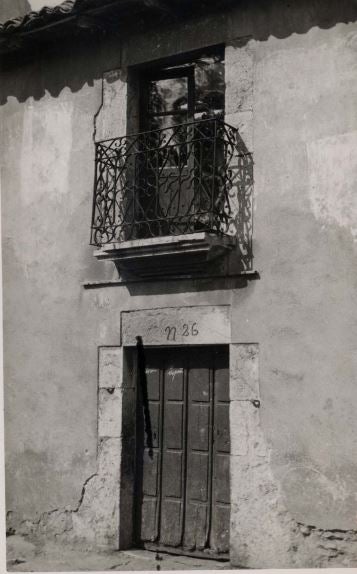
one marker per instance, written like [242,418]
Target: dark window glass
[177,94]
[209,87]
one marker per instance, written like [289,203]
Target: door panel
[150,474]
[155,412]
[153,384]
[185,491]
[199,384]
[222,479]
[196,526]
[171,523]
[220,532]
[197,477]
[222,427]
[149,520]
[174,378]
[172,486]
[199,427]
[173,425]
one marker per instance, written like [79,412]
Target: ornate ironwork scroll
[190,177]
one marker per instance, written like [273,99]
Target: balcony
[167,200]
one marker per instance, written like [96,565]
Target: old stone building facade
[180,343]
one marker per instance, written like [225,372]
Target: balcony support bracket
[166,256]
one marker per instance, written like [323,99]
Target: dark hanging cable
[144,393]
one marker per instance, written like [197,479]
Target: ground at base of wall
[26,556]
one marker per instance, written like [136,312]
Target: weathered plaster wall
[294,99]
[47,159]
[304,132]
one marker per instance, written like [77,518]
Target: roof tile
[35,19]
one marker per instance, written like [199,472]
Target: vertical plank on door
[198,452]
[150,450]
[221,449]
[172,494]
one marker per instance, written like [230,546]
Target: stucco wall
[47,176]
[291,86]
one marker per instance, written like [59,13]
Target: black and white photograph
[179,284]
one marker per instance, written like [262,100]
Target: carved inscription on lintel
[199,325]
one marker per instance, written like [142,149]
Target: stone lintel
[200,325]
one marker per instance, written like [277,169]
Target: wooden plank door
[183,451]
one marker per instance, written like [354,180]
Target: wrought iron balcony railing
[172,181]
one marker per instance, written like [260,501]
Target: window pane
[209,87]
[169,95]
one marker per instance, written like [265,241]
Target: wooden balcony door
[183,446]
[167,194]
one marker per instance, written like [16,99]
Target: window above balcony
[165,198]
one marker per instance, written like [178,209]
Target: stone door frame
[117,407]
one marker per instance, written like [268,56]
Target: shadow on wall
[50,69]
[242,192]
[174,286]
[143,389]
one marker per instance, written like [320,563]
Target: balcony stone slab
[165,256]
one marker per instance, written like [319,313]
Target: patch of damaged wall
[294,101]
